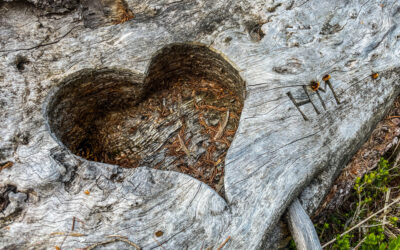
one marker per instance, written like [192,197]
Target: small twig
[363,221]
[116,235]
[223,243]
[8,164]
[76,234]
[396,160]
[385,207]
[73,224]
[99,244]
[359,243]
[395,116]
[389,233]
[394,151]
[222,127]
[358,209]
[375,225]
[68,234]
[183,146]
[179,105]
[111,241]
[129,242]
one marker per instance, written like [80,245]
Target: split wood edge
[302,228]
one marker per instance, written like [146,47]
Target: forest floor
[362,209]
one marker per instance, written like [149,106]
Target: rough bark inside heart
[182,117]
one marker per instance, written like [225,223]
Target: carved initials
[308,100]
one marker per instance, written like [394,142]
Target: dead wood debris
[5,165]
[224,243]
[395,201]
[117,238]
[222,127]
[187,127]
[183,146]
[382,142]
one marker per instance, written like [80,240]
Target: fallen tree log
[305,72]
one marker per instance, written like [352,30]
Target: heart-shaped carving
[182,116]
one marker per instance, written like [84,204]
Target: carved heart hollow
[182,116]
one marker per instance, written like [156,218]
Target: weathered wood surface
[302,228]
[58,199]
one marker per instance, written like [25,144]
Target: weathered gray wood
[302,228]
[276,155]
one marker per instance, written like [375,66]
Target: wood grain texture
[302,228]
[276,155]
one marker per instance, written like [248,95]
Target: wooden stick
[129,242]
[116,235]
[67,234]
[73,224]
[223,243]
[385,207]
[8,164]
[111,241]
[222,127]
[99,244]
[375,225]
[389,233]
[363,221]
[183,146]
